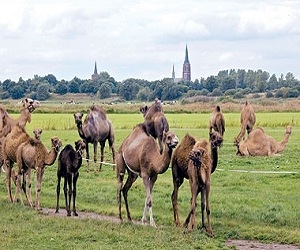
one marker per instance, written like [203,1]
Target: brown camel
[32,154]
[37,133]
[69,162]
[28,106]
[96,128]
[248,120]
[10,144]
[258,143]
[181,169]
[139,155]
[155,121]
[217,121]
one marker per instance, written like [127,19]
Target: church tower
[95,76]
[186,73]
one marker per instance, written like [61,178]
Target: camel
[37,133]
[139,155]
[155,121]
[69,162]
[96,128]
[32,154]
[248,120]
[217,121]
[181,169]
[258,143]
[28,106]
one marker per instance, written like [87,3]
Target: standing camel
[139,155]
[96,128]
[156,121]
[7,122]
[181,161]
[32,154]
[69,162]
[217,121]
[248,120]
[258,143]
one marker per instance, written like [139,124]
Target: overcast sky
[143,39]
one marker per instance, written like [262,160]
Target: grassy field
[244,205]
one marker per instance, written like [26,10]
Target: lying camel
[217,121]
[139,155]
[258,143]
[248,120]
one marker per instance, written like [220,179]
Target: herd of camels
[146,152]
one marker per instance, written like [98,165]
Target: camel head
[216,139]
[30,104]
[37,133]
[56,143]
[170,139]
[288,130]
[144,110]
[79,146]
[196,156]
[78,119]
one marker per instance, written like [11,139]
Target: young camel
[139,155]
[258,143]
[181,170]
[217,121]
[69,162]
[155,121]
[96,128]
[32,154]
[28,106]
[248,120]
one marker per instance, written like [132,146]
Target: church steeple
[95,76]
[186,73]
[173,73]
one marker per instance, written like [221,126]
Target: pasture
[246,203]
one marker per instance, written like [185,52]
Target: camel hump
[33,141]
[218,109]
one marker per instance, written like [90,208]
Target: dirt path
[239,244]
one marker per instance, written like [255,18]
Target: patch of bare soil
[255,245]
[238,244]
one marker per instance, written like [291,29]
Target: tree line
[234,83]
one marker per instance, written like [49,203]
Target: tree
[61,88]
[17,92]
[273,83]
[104,91]
[128,89]
[144,94]
[43,92]
[211,83]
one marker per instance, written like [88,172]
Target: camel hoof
[68,214]
[75,213]
[56,211]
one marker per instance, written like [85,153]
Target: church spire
[173,73]
[186,73]
[95,70]
[186,60]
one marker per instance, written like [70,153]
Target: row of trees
[234,83]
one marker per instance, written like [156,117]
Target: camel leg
[27,184]
[87,157]
[39,178]
[190,221]
[112,148]
[8,180]
[102,145]
[205,201]
[148,183]
[57,192]
[95,156]
[176,184]
[120,177]
[75,177]
[130,180]
[68,192]
[18,189]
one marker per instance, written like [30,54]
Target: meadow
[246,203]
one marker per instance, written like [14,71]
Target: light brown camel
[248,120]
[217,121]
[181,161]
[156,121]
[37,133]
[69,162]
[28,106]
[258,143]
[96,128]
[139,155]
[10,144]
[32,154]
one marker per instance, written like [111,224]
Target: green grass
[255,206]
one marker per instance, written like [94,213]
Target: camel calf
[217,121]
